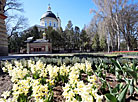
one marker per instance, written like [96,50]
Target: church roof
[49,14]
[40,41]
[31,40]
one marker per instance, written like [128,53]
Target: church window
[34,49]
[50,24]
[54,24]
[40,49]
[45,23]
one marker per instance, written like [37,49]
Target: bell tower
[3,35]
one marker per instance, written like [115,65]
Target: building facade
[38,46]
[3,35]
[50,19]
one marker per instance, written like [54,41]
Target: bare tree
[129,24]
[109,9]
[109,12]
[14,22]
[20,23]
[12,5]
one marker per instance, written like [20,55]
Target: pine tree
[96,43]
[84,40]
[103,43]
[35,33]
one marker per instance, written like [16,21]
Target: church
[49,19]
[43,45]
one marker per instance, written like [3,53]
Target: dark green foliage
[84,40]
[55,37]
[69,40]
[122,95]
[35,33]
[96,43]
[110,98]
[103,44]
[14,43]
[22,98]
[17,41]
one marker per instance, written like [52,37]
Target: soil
[112,81]
[6,84]
[58,93]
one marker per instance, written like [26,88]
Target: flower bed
[70,80]
[126,52]
[35,81]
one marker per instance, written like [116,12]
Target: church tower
[59,21]
[3,35]
[50,19]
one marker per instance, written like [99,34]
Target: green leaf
[110,98]
[114,90]
[121,86]
[110,89]
[132,73]
[122,95]
[131,87]
[136,89]
[133,66]
[116,63]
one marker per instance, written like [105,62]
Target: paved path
[20,56]
[129,56]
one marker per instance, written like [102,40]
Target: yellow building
[3,35]
[49,19]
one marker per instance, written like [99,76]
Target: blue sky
[75,10]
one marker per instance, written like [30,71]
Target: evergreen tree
[55,37]
[96,43]
[62,37]
[14,43]
[103,43]
[76,38]
[69,34]
[35,33]
[48,32]
[84,40]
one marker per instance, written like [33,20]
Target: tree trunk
[128,48]
[118,47]
[108,43]
[118,36]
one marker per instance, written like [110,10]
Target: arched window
[54,24]
[50,23]
[45,23]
